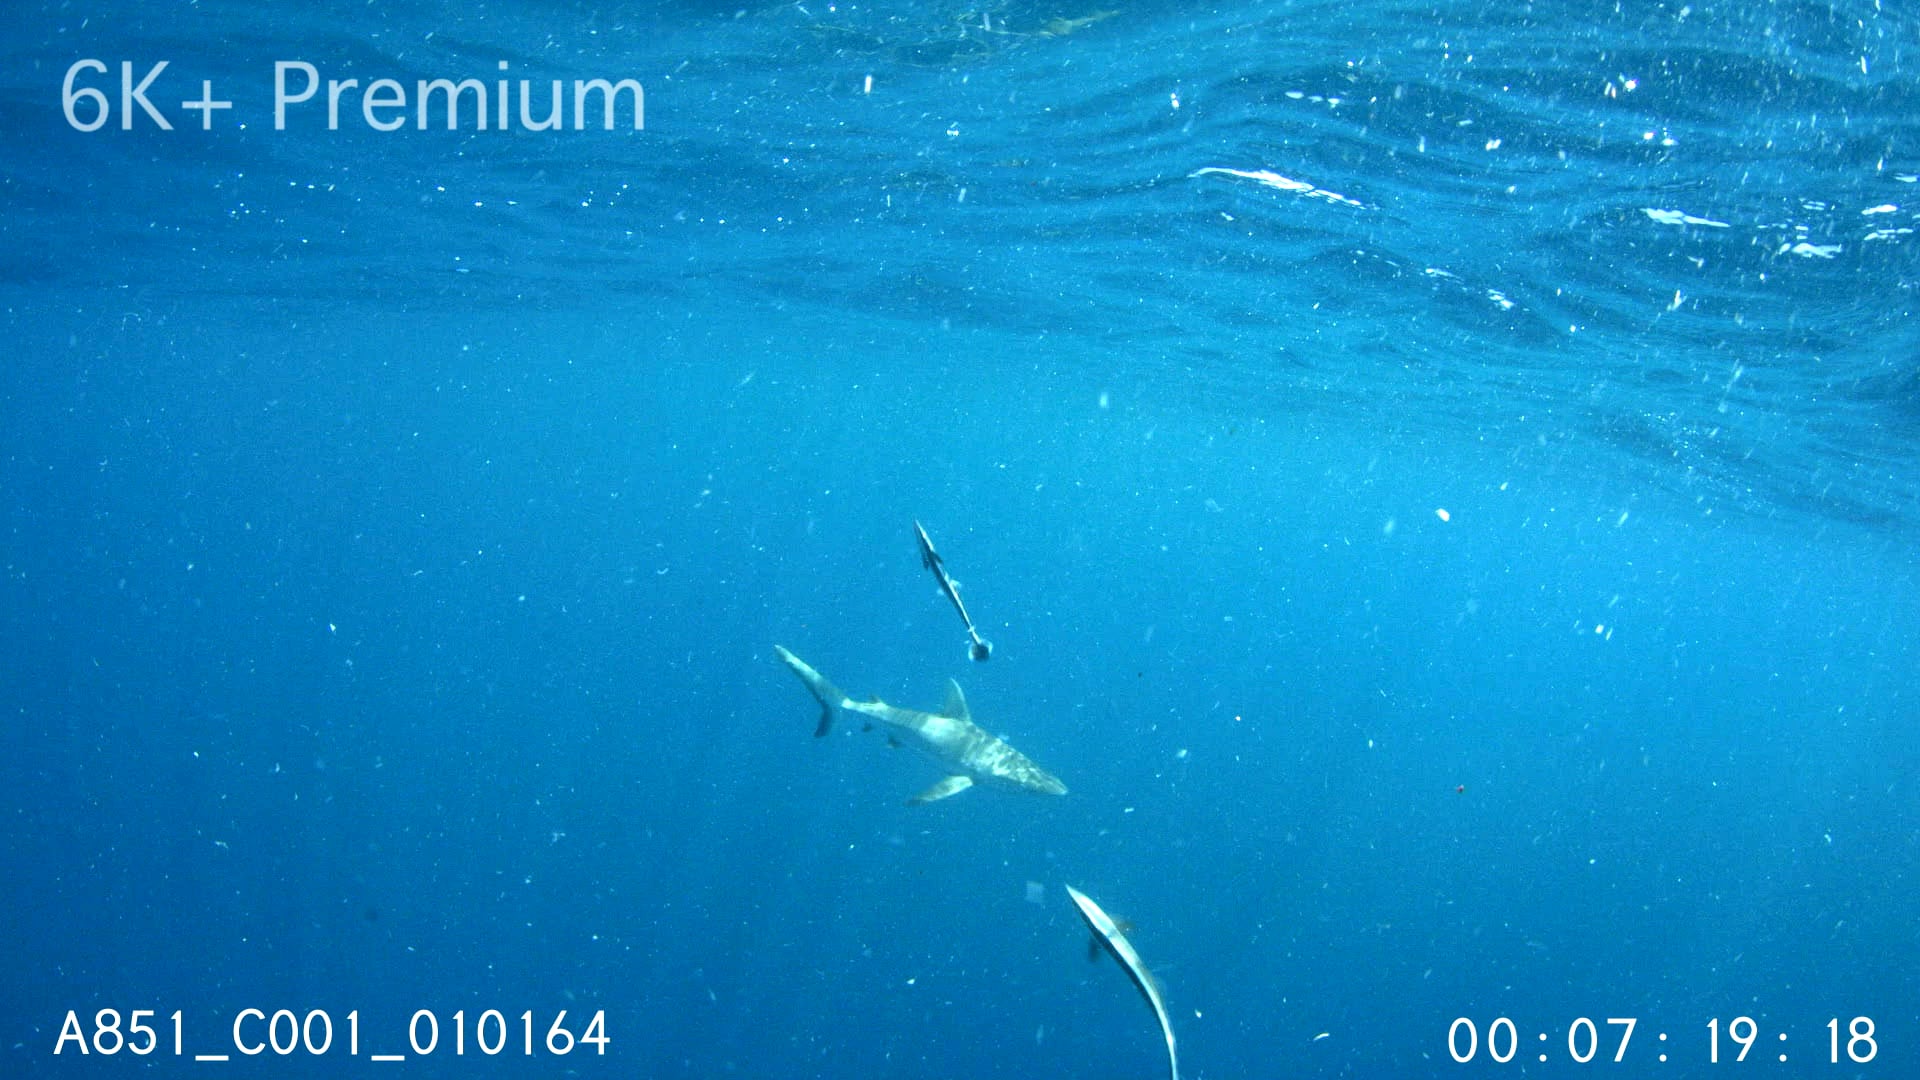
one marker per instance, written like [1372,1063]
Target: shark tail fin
[825,692]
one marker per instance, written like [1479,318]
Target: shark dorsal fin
[956,705]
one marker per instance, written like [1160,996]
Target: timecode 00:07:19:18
[1584,1040]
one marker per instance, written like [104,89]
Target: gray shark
[1108,933]
[949,735]
[978,647]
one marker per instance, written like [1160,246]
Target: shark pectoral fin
[826,721]
[956,704]
[952,785]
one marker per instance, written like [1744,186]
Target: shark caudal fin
[825,692]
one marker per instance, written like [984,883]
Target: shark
[950,736]
[978,648]
[1108,933]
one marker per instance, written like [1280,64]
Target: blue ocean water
[1442,480]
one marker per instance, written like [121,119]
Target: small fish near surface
[1116,942]
[949,736]
[978,648]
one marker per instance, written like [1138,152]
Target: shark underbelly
[963,745]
